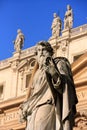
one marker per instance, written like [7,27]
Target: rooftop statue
[51,100]
[68,20]
[18,43]
[56,26]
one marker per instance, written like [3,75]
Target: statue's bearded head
[43,50]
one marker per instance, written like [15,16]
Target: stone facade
[15,73]
[72,43]
[79,69]
[14,79]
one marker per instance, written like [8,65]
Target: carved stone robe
[41,105]
[52,107]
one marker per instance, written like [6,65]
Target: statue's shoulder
[63,65]
[61,59]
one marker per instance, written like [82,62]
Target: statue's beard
[42,60]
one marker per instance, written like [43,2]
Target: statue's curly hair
[47,45]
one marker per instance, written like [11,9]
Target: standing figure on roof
[68,20]
[18,43]
[56,26]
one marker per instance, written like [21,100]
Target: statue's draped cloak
[63,100]
[69,97]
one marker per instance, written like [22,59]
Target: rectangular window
[28,76]
[1,91]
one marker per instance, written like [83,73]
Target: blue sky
[34,18]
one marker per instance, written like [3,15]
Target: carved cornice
[80,82]
[24,54]
[11,102]
[79,31]
[28,53]
[79,64]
